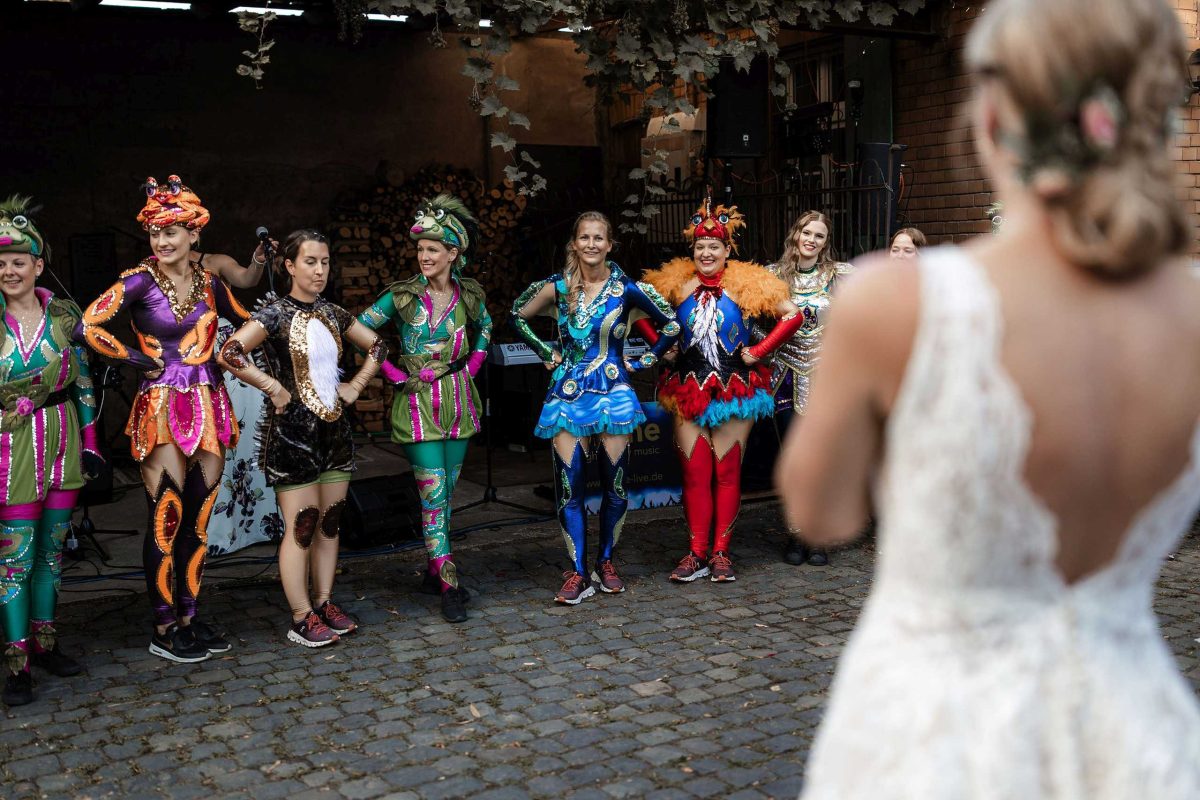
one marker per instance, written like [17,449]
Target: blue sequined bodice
[592,337]
[731,328]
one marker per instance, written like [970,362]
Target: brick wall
[1187,153]
[947,195]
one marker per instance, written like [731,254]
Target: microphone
[264,236]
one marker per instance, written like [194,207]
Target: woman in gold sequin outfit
[811,272]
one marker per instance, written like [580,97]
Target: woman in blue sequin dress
[590,405]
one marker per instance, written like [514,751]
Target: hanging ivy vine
[632,47]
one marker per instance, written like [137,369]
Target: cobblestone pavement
[665,691]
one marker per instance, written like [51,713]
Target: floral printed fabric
[245,512]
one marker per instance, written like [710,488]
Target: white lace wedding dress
[976,671]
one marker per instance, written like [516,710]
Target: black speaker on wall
[739,111]
[381,511]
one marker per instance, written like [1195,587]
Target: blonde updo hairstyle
[1116,214]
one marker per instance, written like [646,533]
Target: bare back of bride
[1022,413]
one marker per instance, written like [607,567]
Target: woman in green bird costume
[47,443]
[444,328]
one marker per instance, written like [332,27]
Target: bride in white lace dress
[1023,412]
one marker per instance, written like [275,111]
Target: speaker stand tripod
[490,491]
[108,379]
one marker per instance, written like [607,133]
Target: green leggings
[30,569]
[436,466]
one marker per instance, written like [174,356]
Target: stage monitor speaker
[381,511]
[93,264]
[739,111]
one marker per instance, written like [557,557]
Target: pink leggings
[55,499]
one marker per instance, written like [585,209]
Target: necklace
[579,320]
[166,284]
[815,279]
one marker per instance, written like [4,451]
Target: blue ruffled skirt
[760,405]
[618,411]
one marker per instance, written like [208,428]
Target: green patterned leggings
[436,466]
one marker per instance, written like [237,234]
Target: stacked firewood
[372,250]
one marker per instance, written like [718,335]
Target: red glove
[644,329]
[784,329]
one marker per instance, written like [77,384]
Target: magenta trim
[58,466]
[19,335]
[61,498]
[21,511]
[449,308]
[435,403]
[39,448]
[460,337]
[5,462]
[64,368]
[414,412]
[454,429]
[471,405]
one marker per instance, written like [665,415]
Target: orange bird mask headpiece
[171,204]
[715,223]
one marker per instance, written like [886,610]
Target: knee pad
[331,520]
[306,525]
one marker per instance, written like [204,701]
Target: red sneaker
[690,568]
[606,575]
[575,590]
[721,568]
[338,621]
[312,632]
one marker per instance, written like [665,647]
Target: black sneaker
[796,553]
[452,606]
[207,636]
[18,689]
[56,662]
[432,584]
[818,558]
[179,645]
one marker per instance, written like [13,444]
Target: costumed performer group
[696,312]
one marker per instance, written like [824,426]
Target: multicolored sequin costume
[185,405]
[47,421]
[709,384]
[436,407]
[303,348]
[797,357]
[590,393]
[306,449]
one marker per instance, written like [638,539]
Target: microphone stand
[269,255]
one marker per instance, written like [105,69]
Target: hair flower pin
[1101,116]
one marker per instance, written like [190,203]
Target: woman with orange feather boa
[716,388]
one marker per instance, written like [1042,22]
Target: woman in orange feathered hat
[717,387]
